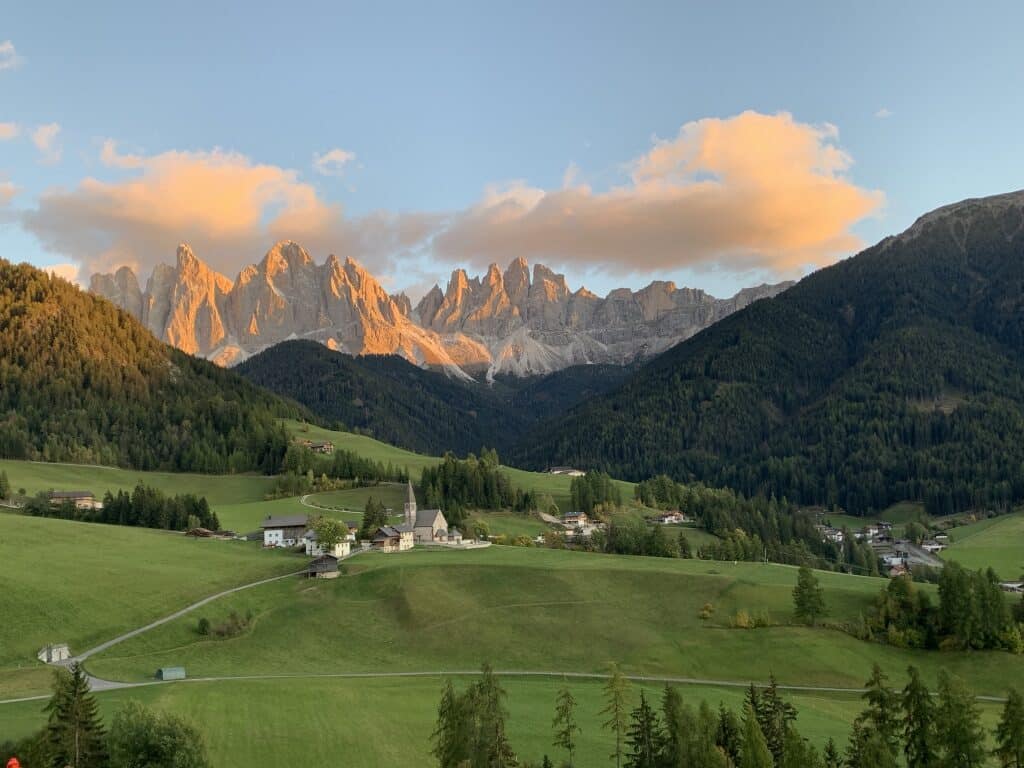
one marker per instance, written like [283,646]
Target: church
[428,525]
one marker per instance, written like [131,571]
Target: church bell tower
[410,506]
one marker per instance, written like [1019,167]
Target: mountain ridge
[896,374]
[495,324]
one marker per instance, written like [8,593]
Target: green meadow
[545,610]
[387,722]
[997,542]
[83,583]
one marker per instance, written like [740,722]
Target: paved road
[108,685]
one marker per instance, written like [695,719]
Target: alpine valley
[501,323]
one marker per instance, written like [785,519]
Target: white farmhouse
[314,549]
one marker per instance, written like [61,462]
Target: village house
[672,518]
[575,519]
[1012,586]
[828,533]
[81,499]
[325,447]
[390,538]
[324,567]
[570,471]
[932,546]
[53,653]
[284,531]
[314,549]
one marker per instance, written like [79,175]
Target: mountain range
[501,323]
[895,374]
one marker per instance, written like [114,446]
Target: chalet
[53,653]
[575,519]
[828,533]
[428,525]
[1012,586]
[81,499]
[284,531]
[897,558]
[570,471]
[672,518]
[323,567]
[390,538]
[932,546]
[353,529]
[325,447]
[314,549]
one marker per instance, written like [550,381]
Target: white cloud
[8,131]
[332,162]
[227,207]
[883,113]
[9,58]
[752,191]
[7,192]
[45,139]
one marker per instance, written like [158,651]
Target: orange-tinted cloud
[45,139]
[227,207]
[7,192]
[8,131]
[753,191]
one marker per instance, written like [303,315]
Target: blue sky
[551,106]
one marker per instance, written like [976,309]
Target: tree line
[972,614]
[911,725]
[144,507]
[303,471]
[458,485]
[74,735]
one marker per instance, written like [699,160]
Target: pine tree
[831,758]
[615,691]
[808,596]
[958,725]
[798,753]
[566,729]
[451,734]
[644,738]
[1010,732]
[678,722]
[775,716]
[754,752]
[729,735]
[882,713]
[918,722]
[74,731]
[491,747]
[5,485]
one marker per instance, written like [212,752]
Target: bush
[203,627]
[707,611]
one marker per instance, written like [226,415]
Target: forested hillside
[81,381]
[395,401]
[896,374]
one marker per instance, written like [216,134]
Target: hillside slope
[896,374]
[426,411]
[82,381]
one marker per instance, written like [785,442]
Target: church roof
[427,517]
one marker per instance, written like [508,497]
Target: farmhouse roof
[285,521]
[71,495]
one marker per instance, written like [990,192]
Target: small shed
[53,653]
[170,673]
[324,567]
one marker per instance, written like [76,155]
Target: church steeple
[410,505]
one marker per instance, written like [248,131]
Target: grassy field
[83,583]
[374,723]
[541,482]
[544,610]
[997,542]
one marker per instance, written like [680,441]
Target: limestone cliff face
[503,322]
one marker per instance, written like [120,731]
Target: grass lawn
[218,489]
[509,524]
[83,583]
[996,542]
[542,609]
[377,723]
[557,486]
